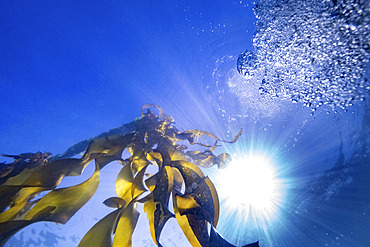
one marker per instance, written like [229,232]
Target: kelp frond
[151,140]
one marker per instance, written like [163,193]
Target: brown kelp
[153,141]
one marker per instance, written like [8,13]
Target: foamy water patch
[310,51]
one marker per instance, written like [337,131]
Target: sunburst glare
[249,182]
[251,192]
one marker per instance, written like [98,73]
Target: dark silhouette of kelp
[151,141]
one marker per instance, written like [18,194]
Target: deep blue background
[70,70]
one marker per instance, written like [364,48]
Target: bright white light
[249,186]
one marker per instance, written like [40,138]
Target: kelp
[152,140]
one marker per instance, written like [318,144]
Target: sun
[250,185]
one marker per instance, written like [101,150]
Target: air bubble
[194,185]
[317,62]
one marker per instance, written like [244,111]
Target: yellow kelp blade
[126,225]
[21,162]
[223,160]
[5,170]
[194,134]
[155,156]
[111,148]
[198,206]
[12,212]
[50,174]
[175,153]
[178,180]
[114,202]
[107,158]
[138,161]
[66,201]
[204,159]
[107,145]
[153,105]
[199,228]
[101,233]
[151,182]
[197,133]
[124,182]
[138,187]
[12,195]
[200,189]
[186,204]
[192,223]
[185,225]
[208,159]
[8,196]
[9,228]
[158,217]
[156,203]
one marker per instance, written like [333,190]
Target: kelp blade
[124,183]
[67,201]
[156,203]
[126,225]
[101,233]
[200,189]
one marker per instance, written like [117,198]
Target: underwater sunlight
[250,185]
[253,191]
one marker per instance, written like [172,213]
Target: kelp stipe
[152,141]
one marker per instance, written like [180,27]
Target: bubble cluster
[238,97]
[310,51]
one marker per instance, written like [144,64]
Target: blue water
[72,70]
